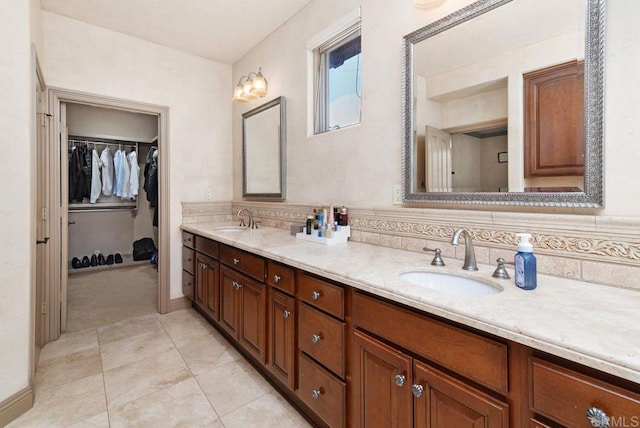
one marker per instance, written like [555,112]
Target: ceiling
[221,30]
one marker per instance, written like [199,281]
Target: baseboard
[179,303]
[15,405]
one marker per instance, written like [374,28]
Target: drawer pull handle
[316,393]
[400,379]
[417,390]
[315,295]
[598,417]
[286,313]
[236,261]
[316,338]
[276,278]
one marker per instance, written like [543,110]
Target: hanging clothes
[125,174]
[86,168]
[151,181]
[75,174]
[96,185]
[107,171]
[134,175]
[118,158]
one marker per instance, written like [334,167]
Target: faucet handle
[437,259]
[242,223]
[501,272]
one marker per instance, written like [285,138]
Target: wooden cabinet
[323,392]
[394,388]
[207,289]
[281,339]
[566,396]
[188,265]
[390,388]
[242,311]
[554,120]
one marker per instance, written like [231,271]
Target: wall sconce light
[250,87]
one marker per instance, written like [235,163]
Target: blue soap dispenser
[525,262]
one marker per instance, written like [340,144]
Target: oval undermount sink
[231,229]
[446,283]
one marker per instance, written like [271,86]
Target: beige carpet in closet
[108,296]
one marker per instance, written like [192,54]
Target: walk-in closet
[112,189]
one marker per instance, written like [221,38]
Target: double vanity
[356,335]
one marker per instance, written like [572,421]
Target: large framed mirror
[503,104]
[264,151]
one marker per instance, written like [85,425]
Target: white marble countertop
[595,325]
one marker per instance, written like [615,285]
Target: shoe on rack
[118,258]
[109,260]
[101,260]
[76,263]
[85,262]
[94,260]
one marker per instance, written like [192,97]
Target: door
[210,287]
[281,336]
[438,160]
[381,393]
[446,402]
[64,214]
[252,314]
[228,301]
[42,211]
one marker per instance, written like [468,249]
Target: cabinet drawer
[188,239]
[187,284]
[280,277]
[322,337]
[207,246]
[565,396]
[249,264]
[476,357]
[322,392]
[188,260]
[321,294]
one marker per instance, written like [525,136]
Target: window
[337,80]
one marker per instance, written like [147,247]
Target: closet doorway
[99,223]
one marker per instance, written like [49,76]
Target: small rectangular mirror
[264,151]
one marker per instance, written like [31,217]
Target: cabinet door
[441,401]
[554,120]
[381,392]
[229,301]
[252,313]
[281,336]
[201,278]
[211,285]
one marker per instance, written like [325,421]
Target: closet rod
[101,210]
[83,141]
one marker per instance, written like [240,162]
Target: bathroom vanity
[350,344]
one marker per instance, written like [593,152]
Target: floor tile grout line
[104,383]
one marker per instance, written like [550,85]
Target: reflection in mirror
[496,106]
[263,151]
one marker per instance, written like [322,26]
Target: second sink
[451,284]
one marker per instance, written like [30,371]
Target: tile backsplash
[591,248]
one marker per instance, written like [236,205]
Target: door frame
[57,292]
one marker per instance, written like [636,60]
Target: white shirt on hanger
[125,175]
[107,171]
[134,176]
[96,185]
[117,163]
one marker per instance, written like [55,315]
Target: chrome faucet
[252,223]
[469,253]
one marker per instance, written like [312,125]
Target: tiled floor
[171,370]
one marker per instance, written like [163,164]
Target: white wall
[360,165]
[16,225]
[90,121]
[87,58]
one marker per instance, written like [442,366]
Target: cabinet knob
[417,390]
[400,379]
[236,261]
[315,295]
[316,338]
[236,285]
[276,278]
[316,393]
[598,417]
[286,313]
